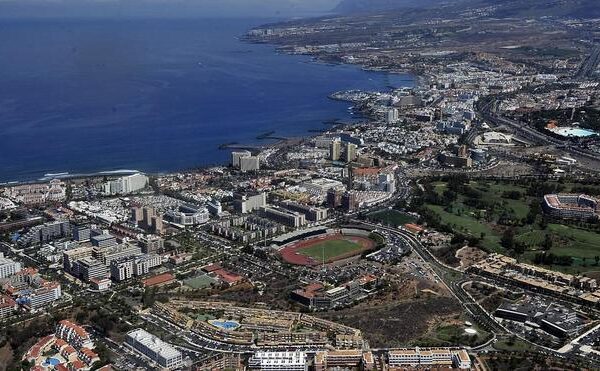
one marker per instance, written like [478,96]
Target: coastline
[72,172]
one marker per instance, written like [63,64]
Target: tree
[548,242]
[508,239]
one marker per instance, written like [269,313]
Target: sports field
[334,246]
[330,249]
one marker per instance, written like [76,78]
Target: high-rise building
[147,214]
[312,213]
[125,268]
[137,214]
[349,201]
[244,203]
[250,163]
[89,268]
[334,198]
[46,232]
[72,255]
[244,161]
[214,207]
[121,270]
[237,155]
[282,216]
[103,240]
[392,116]
[8,267]
[143,264]
[125,185]
[387,182]
[157,224]
[81,233]
[335,150]
[463,151]
[107,255]
[350,154]
[151,244]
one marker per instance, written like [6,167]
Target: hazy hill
[504,8]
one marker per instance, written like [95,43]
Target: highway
[479,314]
[589,66]
[537,137]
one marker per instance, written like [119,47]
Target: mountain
[367,6]
[502,8]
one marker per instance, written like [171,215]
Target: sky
[164,8]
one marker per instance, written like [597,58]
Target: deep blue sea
[153,95]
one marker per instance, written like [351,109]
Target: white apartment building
[429,356]
[125,185]
[8,267]
[164,354]
[278,361]
[121,270]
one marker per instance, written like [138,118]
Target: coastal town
[453,224]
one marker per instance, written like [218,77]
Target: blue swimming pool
[227,325]
[573,132]
[50,362]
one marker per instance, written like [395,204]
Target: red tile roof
[160,279]
[211,268]
[78,364]
[413,227]
[228,276]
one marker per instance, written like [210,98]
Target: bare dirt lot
[396,324]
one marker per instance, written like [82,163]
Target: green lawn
[567,240]
[452,335]
[470,225]
[199,282]
[392,217]
[515,346]
[330,249]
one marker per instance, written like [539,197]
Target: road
[455,287]
[535,136]
[589,66]
[478,313]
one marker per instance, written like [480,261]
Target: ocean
[83,96]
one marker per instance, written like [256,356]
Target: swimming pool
[226,325]
[51,362]
[572,132]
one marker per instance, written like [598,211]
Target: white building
[392,116]
[124,269]
[144,263]
[250,163]
[246,204]
[164,354]
[125,185]
[244,161]
[414,357]
[290,218]
[273,361]
[8,267]
[74,334]
[237,155]
[188,214]
[121,270]
[214,207]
